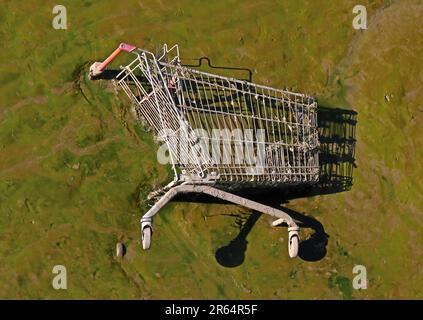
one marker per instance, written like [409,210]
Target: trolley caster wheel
[293,241]
[119,249]
[146,237]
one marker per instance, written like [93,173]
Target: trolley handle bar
[122,47]
[98,67]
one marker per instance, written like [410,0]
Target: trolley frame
[221,133]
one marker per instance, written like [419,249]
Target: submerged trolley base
[221,133]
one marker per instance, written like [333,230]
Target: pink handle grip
[127,47]
[122,47]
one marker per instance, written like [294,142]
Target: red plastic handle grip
[122,47]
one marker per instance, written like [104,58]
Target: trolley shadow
[210,65]
[233,254]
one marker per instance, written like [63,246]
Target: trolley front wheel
[146,237]
[293,243]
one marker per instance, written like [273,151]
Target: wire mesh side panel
[143,82]
[252,133]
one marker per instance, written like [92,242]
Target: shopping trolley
[221,134]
